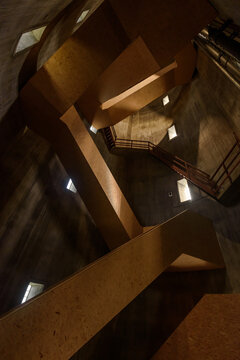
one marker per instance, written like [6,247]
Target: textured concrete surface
[222,91]
[46,232]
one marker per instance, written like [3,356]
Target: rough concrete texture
[210,331]
[46,232]
[205,135]
[228,9]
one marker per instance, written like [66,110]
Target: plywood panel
[83,57]
[133,65]
[210,331]
[60,321]
[169,77]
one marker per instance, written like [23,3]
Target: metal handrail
[200,178]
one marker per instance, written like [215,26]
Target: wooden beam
[60,321]
[210,331]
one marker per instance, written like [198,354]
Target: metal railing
[225,170]
[184,168]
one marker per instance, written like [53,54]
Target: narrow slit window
[165,100]
[93,129]
[70,186]
[29,39]
[183,190]
[82,16]
[172,132]
[33,289]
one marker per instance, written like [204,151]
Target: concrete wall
[46,231]
[205,113]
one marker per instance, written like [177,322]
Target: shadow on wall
[46,232]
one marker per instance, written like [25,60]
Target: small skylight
[33,289]
[29,39]
[172,132]
[82,16]
[93,129]
[165,100]
[183,190]
[71,187]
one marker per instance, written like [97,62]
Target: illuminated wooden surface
[210,331]
[61,320]
[95,182]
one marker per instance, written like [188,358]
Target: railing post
[228,175]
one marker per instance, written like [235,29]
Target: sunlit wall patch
[82,16]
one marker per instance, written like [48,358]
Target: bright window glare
[71,187]
[166,100]
[29,38]
[93,129]
[172,132]
[33,289]
[82,16]
[183,190]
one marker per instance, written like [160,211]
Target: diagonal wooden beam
[59,322]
